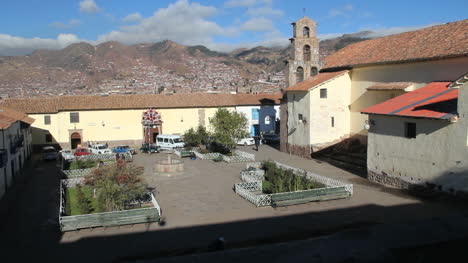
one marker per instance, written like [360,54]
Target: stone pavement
[200,205]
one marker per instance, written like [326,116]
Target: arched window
[299,74]
[306,52]
[306,32]
[313,71]
[267,120]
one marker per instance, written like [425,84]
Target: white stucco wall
[421,73]
[322,110]
[298,132]
[438,154]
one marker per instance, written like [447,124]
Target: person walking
[257,142]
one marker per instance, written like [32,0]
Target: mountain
[166,66]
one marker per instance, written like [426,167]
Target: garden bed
[236,156]
[294,186]
[72,220]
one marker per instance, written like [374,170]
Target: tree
[195,138]
[229,127]
[83,203]
[117,186]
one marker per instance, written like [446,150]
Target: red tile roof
[442,41]
[434,100]
[8,117]
[315,81]
[138,101]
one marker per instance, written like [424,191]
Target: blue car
[123,149]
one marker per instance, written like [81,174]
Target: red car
[81,151]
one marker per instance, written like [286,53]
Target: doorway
[75,140]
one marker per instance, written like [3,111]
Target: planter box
[252,190]
[205,156]
[77,173]
[239,156]
[116,218]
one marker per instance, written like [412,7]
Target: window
[74,117]
[299,74]
[48,138]
[160,140]
[333,121]
[306,52]
[306,32]
[47,119]
[166,140]
[255,114]
[267,120]
[323,93]
[410,130]
[300,117]
[313,71]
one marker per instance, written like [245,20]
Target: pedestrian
[256,143]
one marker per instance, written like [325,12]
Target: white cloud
[183,22]
[258,25]
[344,10]
[328,36]
[240,3]
[11,45]
[70,24]
[88,6]
[133,17]
[264,11]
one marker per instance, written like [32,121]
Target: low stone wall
[205,156]
[304,151]
[387,180]
[239,156]
[116,218]
[164,166]
[77,173]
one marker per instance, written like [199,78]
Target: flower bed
[108,196]
[323,188]
[237,156]
[82,168]
[100,219]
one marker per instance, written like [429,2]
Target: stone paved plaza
[200,205]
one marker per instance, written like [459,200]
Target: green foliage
[219,158]
[279,180]
[82,164]
[72,206]
[82,202]
[194,137]
[117,186]
[229,127]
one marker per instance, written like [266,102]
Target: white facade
[438,155]
[15,145]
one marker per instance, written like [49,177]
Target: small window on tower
[333,121]
[313,71]
[306,32]
[323,93]
[47,120]
[300,117]
[299,74]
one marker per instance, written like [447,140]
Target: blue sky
[219,24]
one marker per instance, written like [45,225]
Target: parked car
[169,141]
[67,154]
[271,138]
[49,153]
[246,141]
[149,148]
[123,149]
[100,149]
[82,151]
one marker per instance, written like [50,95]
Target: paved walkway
[200,205]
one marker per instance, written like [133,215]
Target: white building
[15,146]
[421,139]
[324,110]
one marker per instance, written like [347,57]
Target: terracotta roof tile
[434,100]
[138,101]
[390,86]
[442,41]
[9,116]
[315,81]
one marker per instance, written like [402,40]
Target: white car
[246,141]
[100,149]
[67,154]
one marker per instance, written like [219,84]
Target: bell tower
[304,61]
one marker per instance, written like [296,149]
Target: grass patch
[72,208]
[279,180]
[82,164]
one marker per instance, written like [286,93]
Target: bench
[186,154]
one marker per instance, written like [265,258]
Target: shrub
[82,164]
[117,186]
[278,180]
[197,137]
